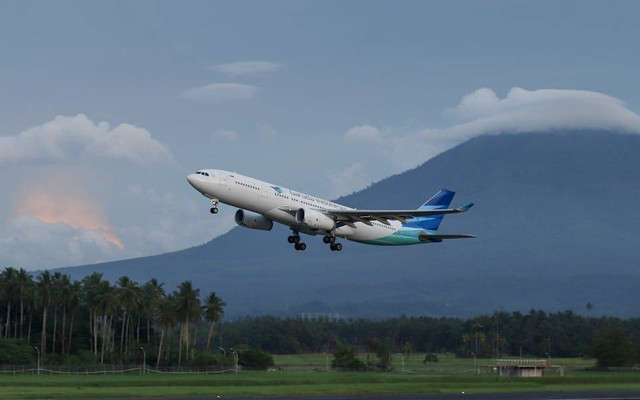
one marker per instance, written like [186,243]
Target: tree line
[501,334]
[112,321]
[95,320]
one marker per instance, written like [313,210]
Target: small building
[524,367]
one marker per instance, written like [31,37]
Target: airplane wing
[384,216]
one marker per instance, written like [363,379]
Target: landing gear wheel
[332,239]
[290,239]
[297,246]
[296,239]
[325,239]
[303,246]
[338,246]
[333,247]
[214,210]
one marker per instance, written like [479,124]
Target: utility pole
[144,360]
[235,356]
[475,363]
[402,362]
[38,350]
[549,349]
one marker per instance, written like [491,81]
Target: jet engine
[315,219]
[253,220]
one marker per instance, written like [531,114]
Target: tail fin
[440,200]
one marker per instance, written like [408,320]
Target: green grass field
[303,375]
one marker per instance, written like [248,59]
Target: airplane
[260,204]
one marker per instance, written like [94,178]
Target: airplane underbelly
[282,217]
[365,232]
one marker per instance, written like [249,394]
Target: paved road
[483,396]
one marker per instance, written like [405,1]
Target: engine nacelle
[315,219]
[253,220]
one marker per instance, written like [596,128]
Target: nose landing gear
[214,206]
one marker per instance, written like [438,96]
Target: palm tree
[62,287]
[45,283]
[188,310]
[128,299]
[32,302]
[73,302]
[56,298]
[153,294]
[23,283]
[213,312]
[92,287]
[107,307]
[165,319]
[9,276]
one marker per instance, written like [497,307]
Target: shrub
[384,358]
[346,359]
[614,349]
[206,359]
[16,352]
[255,359]
[430,357]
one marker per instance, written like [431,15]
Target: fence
[109,369]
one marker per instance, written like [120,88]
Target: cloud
[266,130]
[220,92]
[540,110]
[363,133]
[228,135]
[60,200]
[78,137]
[247,67]
[520,111]
[31,243]
[352,178]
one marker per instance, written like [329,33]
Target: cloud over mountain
[520,111]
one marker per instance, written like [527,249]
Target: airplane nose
[192,180]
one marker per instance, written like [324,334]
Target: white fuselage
[272,201]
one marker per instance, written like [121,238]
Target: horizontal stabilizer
[425,237]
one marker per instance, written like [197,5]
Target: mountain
[556,217]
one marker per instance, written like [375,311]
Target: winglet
[464,208]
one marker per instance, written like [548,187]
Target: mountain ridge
[535,195]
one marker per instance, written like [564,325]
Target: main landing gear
[331,240]
[214,206]
[295,238]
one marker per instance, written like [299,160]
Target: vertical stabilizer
[440,200]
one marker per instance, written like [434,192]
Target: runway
[481,396]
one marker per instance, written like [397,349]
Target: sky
[106,107]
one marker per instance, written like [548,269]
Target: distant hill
[557,219]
